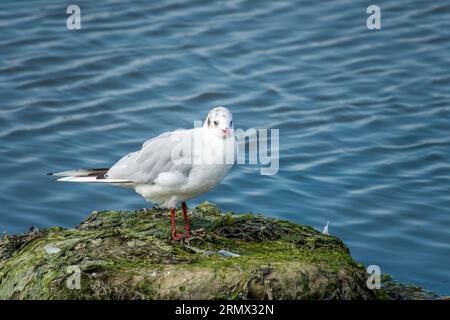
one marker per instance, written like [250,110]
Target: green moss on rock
[130,255]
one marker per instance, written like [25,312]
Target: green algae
[130,255]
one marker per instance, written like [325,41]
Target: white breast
[209,169]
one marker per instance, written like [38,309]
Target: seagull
[173,167]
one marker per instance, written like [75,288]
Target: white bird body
[174,166]
[208,170]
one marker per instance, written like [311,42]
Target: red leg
[175,236]
[186,221]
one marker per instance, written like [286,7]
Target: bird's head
[220,122]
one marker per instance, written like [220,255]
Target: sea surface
[364,115]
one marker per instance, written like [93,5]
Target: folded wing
[160,157]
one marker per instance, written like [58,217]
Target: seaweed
[130,255]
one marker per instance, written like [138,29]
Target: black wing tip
[50,174]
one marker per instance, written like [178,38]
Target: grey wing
[155,157]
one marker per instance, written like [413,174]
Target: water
[363,115]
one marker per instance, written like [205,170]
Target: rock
[130,255]
[399,291]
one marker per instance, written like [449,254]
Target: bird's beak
[226,132]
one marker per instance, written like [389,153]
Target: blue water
[363,115]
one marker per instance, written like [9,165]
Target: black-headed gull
[173,167]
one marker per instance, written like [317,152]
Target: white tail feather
[73,173]
[92,180]
[88,176]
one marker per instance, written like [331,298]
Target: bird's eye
[216,122]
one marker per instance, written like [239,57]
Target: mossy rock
[130,255]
